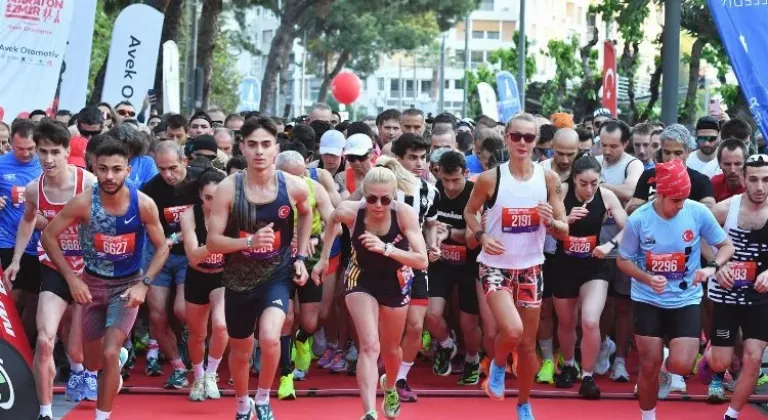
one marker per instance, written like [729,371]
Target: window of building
[381,84]
[493,35]
[394,87]
[266,37]
[447,84]
[460,57]
[486,5]
[426,86]
[478,35]
[477,57]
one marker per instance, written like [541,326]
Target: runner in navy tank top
[47,195]
[114,218]
[252,223]
[387,245]
[580,272]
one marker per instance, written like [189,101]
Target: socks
[405,367]
[75,367]
[648,415]
[472,359]
[547,349]
[154,349]
[447,343]
[302,336]
[102,415]
[620,360]
[262,396]
[585,374]
[91,372]
[285,356]
[199,372]
[178,364]
[732,413]
[569,362]
[243,405]
[46,410]
[213,365]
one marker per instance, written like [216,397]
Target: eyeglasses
[706,139]
[89,133]
[354,158]
[126,113]
[373,199]
[517,137]
[757,160]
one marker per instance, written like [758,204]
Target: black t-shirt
[701,186]
[451,212]
[172,201]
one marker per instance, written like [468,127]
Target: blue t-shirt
[671,248]
[143,168]
[14,177]
[473,165]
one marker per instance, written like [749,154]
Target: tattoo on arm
[559,190]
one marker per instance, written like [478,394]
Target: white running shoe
[197,392]
[665,385]
[619,372]
[678,384]
[211,381]
[607,349]
[121,361]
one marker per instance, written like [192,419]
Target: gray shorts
[107,309]
[620,285]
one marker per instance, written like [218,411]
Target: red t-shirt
[721,190]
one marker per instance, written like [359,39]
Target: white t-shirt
[709,169]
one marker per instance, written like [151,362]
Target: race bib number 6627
[519,220]
[115,248]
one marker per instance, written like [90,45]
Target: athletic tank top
[615,174]
[317,222]
[371,266]
[248,269]
[69,240]
[113,245]
[514,221]
[550,243]
[214,261]
[14,177]
[582,234]
[749,260]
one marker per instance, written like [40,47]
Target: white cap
[332,143]
[358,145]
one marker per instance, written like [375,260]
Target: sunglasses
[517,137]
[706,139]
[89,133]
[373,199]
[126,113]
[353,158]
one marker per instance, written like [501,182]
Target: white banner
[33,38]
[77,59]
[488,102]
[171,94]
[133,55]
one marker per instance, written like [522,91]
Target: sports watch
[388,249]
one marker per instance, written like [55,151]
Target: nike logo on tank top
[514,221]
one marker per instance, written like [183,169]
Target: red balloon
[346,87]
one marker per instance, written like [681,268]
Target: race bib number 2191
[519,220]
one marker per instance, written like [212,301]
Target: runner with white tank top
[523,201]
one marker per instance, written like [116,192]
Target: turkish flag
[610,78]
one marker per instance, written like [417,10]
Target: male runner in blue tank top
[252,222]
[114,218]
[661,251]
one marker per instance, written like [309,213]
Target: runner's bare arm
[77,210]
[299,193]
[345,213]
[151,220]
[481,193]
[323,202]
[341,180]
[634,204]
[559,225]
[195,253]
[613,205]
[28,221]
[708,201]
[720,211]
[626,190]
[326,180]
[217,222]
[409,224]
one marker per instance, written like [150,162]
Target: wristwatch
[146,281]
[714,265]
[388,249]
[614,242]
[479,234]
[248,241]
[302,258]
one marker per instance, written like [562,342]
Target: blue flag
[509,97]
[250,94]
[742,30]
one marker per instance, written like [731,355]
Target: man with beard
[707,138]
[740,292]
[730,155]
[113,284]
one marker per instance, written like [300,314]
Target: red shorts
[333,265]
[526,285]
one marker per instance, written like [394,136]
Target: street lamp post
[521,57]
[670,62]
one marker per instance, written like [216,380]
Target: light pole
[521,57]
[670,62]
[467,28]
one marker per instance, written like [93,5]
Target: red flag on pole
[610,78]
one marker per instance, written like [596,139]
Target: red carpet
[131,407]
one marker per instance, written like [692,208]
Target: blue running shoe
[494,385]
[90,387]
[75,386]
[525,412]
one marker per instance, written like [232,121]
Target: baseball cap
[358,145]
[601,112]
[332,143]
[77,147]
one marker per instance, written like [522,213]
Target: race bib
[579,246]
[519,220]
[263,253]
[671,265]
[70,245]
[115,248]
[453,254]
[173,215]
[744,273]
[405,278]
[17,196]
[213,261]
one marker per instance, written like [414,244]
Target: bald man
[565,147]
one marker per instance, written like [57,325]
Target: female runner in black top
[581,275]
[387,244]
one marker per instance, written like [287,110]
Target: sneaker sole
[489,393]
